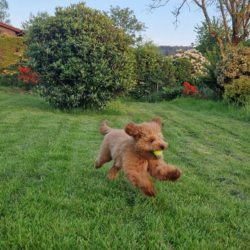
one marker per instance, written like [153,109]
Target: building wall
[7,31]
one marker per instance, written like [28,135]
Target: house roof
[17,31]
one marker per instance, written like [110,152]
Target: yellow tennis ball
[158,153]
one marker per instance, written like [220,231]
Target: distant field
[51,197]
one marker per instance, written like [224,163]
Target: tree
[126,20]
[34,19]
[237,10]
[4,6]
[205,42]
[84,61]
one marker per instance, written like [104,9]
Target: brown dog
[133,150]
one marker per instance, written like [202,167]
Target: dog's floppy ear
[132,130]
[157,120]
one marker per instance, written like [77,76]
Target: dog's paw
[149,192]
[111,176]
[97,165]
[174,175]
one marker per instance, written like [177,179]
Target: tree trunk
[211,29]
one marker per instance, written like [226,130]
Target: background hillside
[170,50]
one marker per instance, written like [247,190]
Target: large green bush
[84,60]
[149,71]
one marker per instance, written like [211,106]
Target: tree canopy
[204,42]
[34,19]
[4,16]
[126,20]
[236,11]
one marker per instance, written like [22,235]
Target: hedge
[9,47]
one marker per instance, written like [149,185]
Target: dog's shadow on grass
[127,192]
[118,189]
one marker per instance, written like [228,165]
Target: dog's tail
[104,128]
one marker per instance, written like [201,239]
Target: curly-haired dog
[138,151]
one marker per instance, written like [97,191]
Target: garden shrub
[169,72]
[154,97]
[84,60]
[148,70]
[208,83]
[166,75]
[238,91]
[183,71]
[234,66]
[8,79]
[189,90]
[170,93]
[198,61]
[19,74]
[166,94]
[28,77]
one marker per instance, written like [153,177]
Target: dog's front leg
[113,172]
[164,172]
[141,180]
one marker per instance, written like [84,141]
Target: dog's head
[148,137]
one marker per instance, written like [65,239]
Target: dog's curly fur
[132,150]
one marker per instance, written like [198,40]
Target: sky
[160,27]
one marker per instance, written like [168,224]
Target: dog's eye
[151,141]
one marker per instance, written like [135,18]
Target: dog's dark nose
[162,147]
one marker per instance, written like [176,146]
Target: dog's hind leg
[113,172]
[103,157]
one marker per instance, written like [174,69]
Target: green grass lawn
[52,197]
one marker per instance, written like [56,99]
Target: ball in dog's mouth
[158,154]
